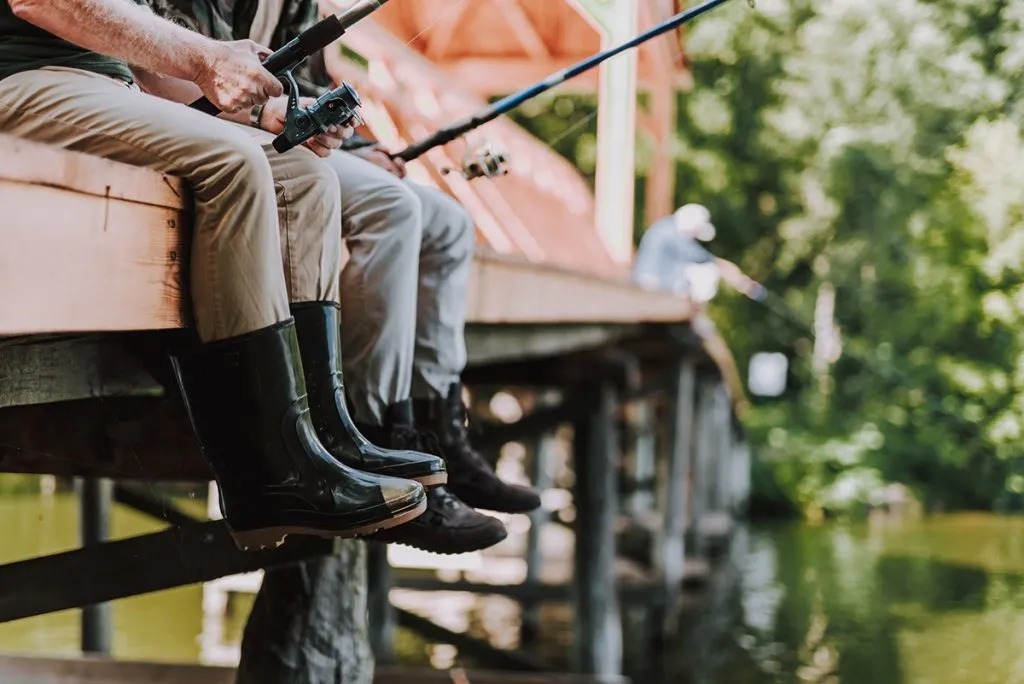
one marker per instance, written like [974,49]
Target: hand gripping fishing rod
[337,107]
[492,166]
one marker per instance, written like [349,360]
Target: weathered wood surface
[87,244]
[83,233]
[138,565]
[26,670]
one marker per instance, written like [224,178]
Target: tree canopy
[874,148]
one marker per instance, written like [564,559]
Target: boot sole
[432,480]
[453,550]
[273,537]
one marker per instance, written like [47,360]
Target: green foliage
[874,145]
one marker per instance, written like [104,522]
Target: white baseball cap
[695,219]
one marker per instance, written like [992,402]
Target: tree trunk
[308,625]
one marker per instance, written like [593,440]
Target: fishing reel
[482,162]
[335,108]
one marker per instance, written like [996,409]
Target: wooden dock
[24,670]
[610,351]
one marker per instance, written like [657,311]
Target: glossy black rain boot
[449,526]
[470,476]
[316,324]
[247,402]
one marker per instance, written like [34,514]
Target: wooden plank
[81,262]
[52,167]
[172,558]
[39,670]
[42,369]
[489,343]
[509,290]
[136,438]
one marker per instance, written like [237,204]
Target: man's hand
[378,157]
[233,78]
[273,120]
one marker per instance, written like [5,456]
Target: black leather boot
[317,325]
[247,402]
[449,526]
[470,476]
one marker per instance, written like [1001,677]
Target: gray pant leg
[445,262]
[382,227]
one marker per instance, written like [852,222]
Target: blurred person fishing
[671,258]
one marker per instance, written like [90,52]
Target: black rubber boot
[449,526]
[247,402]
[470,476]
[317,325]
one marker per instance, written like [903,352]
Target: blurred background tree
[874,146]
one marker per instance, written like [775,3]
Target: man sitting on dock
[670,258]
[404,309]
[65,80]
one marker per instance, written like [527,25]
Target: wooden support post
[700,479]
[598,622]
[616,134]
[541,452]
[724,451]
[641,499]
[671,545]
[741,476]
[661,177]
[382,615]
[95,496]
[308,623]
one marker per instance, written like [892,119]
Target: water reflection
[932,601]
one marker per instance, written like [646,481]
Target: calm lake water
[933,601]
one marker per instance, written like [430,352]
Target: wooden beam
[661,176]
[524,30]
[616,135]
[139,565]
[51,670]
[479,651]
[440,35]
[137,438]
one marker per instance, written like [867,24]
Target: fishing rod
[334,108]
[487,162]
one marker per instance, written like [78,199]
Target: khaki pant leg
[381,221]
[237,284]
[309,216]
[446,260]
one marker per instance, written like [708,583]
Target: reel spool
[483,161]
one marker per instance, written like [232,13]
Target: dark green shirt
[24,46]
[232,20]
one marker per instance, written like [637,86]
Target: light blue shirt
[665,254]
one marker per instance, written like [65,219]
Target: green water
[933,601]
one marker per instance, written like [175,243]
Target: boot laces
[461,429]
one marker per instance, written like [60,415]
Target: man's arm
[272,120]
[732,274]
[123,30]
[229,74]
